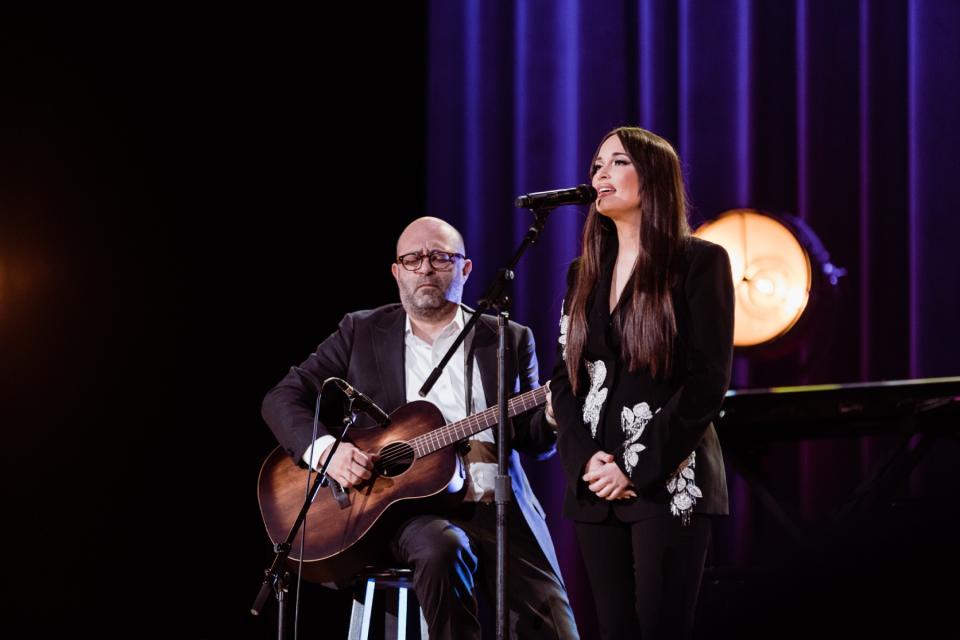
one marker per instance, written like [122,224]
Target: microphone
[360,402]
[582,194]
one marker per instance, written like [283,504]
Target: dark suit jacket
[368,349]
[687,402]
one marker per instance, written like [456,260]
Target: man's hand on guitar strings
[350,466]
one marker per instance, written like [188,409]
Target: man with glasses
[387,353]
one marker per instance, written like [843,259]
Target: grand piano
[915,413]
[831,410]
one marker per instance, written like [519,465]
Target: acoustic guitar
[418,469]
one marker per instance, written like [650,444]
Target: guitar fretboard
[437,439]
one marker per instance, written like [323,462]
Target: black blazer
[368,351]
[683,406]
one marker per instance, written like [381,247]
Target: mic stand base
[282,587]
[276,578]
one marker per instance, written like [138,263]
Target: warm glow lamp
[775,262]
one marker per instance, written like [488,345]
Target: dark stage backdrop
[191,196]
[190,199]
[841,113]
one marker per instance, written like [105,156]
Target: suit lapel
[389,350]
[484,348]
[485,351]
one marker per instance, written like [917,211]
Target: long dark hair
[648,325]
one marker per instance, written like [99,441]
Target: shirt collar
[452,329]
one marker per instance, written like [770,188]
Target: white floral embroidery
[596,396]
[564,325]
[684,491]
[633,421]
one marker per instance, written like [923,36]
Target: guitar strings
[438,436]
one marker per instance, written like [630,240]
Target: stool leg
[356,614]
[367,610]
[390,610]
[356,617]
[423,625]
[402,605]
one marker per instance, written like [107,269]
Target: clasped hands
[606,479]
[602,474]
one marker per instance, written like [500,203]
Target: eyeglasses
[439,260]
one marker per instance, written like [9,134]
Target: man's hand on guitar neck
[350,466]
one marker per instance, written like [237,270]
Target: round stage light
[774,260]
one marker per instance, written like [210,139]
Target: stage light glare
[771,270]
[766,287]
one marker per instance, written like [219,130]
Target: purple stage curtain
[843,113]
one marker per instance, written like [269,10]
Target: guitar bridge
[339,494]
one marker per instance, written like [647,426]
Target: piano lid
[829,410]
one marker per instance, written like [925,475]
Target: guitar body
[344,535]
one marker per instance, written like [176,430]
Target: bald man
[387,353]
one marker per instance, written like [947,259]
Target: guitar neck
[454,432]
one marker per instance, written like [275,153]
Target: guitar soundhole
[395,458]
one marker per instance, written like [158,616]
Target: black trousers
[645,576]
[452,555]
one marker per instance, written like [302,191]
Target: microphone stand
[276,577]
[495,298]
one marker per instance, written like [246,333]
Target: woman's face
[616,181]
